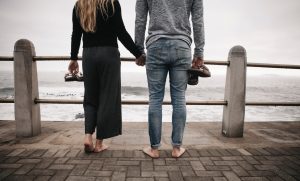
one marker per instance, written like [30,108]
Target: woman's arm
[76,35]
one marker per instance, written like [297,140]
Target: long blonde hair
[87,11]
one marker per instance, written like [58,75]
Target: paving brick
[234,152]
[206,161]
[79,170]
[39,172]
[118,176]
[276,178]
[208,173]
[133,171]
[214,152]
[193,153]
[147,166]
[38,153]
[241,172]
[140,179]
[118,153]
[166,168]
[128,163]
[263,152]
[26,153]
[220,179]
[138,154]
[24,169]
[29,160]
[5,173]
[198,178]
[251,160]
[103,179]
[128,153]
[177,162]
[187,171]
[19,177]
[161,179]
[224,152]
[61,153]
[42,178]
[217,167]
[45,163]
[244,152]
[255,179]
[110,161]
[98,173]
[272,151]
[245,165]
[175,176]
[61,160]
[197,165]
[271,162]
[261,173]
[50,153]
[96,165]
[16,152]
[114,168]
[10,165]
[289,170]
[253,151]
[106,154]
[154,174]
[204,153]
[159,161]
[73,153]
[60,175]
[80,178]
[284,175]
[61,167]
[225,163]
[266,167]
[79,162]
[232,158]
[231,176]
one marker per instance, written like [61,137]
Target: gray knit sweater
[170,19]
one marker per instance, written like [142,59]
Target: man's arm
[198,28]
[141,10]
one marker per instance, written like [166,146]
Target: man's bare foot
[177,152]
[153,153]
[100,146]
[88,143]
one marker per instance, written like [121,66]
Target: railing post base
[235,94]
[27,113]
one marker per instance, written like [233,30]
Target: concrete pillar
[27,113]
[235,93]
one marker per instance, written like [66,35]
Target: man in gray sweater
[168,52]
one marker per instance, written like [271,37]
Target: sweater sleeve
[141,9]
[122,33]
[76,36]
[198,27]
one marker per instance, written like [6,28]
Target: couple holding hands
[99,23]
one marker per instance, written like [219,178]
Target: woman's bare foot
[100,146]
[153,153]
[177,152]
[88,143]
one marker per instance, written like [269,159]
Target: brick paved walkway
[268,151]
[132,165]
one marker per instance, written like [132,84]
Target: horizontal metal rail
[145,102]
[6,59]
[126,59]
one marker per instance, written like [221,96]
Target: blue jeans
[174,57]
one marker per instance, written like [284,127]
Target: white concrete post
[235,93]
[27,113]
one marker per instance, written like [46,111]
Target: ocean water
[134,87]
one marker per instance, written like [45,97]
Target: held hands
[197,62]
[141,60]
[73,67]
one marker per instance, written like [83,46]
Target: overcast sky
[268,29]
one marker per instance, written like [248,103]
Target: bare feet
[153,153]
[100,146]
[88,143]
[177,152]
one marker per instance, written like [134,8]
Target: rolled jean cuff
[176,144]
[155,146]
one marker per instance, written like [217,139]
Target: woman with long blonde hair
[100,24]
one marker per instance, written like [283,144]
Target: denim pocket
[183,55]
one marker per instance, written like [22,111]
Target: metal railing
[233,104]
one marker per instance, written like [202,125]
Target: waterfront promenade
[268,151]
